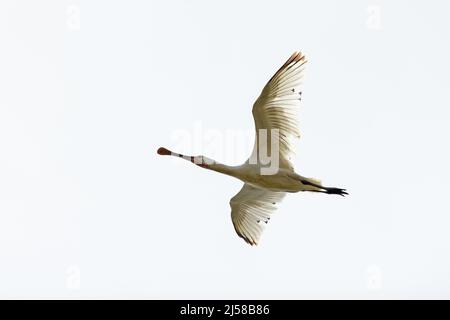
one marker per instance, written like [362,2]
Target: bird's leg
[339,191]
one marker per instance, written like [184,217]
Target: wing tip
[296,57]
[250,241]
[245,237]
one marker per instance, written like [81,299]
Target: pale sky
[90,90]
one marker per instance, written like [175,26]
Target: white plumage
[278,104]
[251,209]
[276,123]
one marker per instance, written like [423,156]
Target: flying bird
[265,185]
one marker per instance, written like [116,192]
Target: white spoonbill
[275,115]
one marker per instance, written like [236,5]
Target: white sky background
[90,90]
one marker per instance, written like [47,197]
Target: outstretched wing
[277,107]
[251,209]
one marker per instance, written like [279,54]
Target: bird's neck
[203,162]
[223,168]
